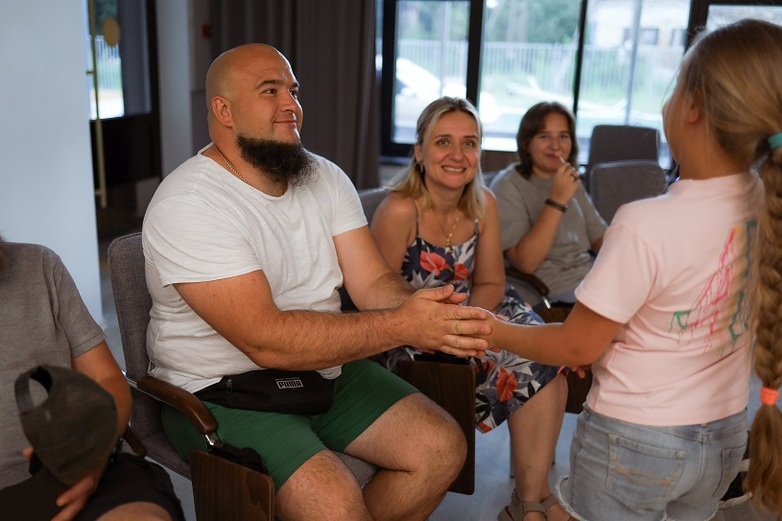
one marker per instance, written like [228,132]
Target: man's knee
[339,495]
[453,443]
[440,440]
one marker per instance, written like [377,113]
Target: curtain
[331,47]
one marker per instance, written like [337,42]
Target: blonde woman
[439,225]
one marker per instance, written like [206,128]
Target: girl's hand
[492,320]
[565,183]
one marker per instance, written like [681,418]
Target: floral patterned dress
[504,380]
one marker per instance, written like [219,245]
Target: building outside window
[515,53]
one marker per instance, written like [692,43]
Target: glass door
[124,119]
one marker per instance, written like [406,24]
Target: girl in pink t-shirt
[666,318]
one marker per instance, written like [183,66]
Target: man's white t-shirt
[204,224]
[676,270]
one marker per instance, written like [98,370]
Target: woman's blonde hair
[735,75]
[410,182]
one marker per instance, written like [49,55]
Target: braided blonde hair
[735,73]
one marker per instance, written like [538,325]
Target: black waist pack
[272,390]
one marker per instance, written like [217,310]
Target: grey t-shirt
[43,320]
[520,202]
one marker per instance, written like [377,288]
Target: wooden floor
[492,472]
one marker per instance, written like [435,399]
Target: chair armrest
[133,441]
[529,279]
[181,400]
[532,281]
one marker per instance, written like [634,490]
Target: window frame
[392,149]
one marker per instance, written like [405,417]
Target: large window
[509,54]
[723,14]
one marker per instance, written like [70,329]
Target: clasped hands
[445,325]
[438,321]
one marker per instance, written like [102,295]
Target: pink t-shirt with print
[676,271]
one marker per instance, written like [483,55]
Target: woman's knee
[554,394]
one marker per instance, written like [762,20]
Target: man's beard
[282,163]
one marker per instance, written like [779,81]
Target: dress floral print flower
[504,381]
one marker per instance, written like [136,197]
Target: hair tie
[769,396]
[775,141]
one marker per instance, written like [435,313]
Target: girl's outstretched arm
[578,341]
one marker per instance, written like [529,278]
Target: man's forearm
[315,340]
[430,319]
[388,291]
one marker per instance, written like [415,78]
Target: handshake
[435,320]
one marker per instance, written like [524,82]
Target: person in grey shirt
[43,320]
[549,226]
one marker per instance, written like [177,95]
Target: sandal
[518,508]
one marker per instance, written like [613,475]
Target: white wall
[46,187]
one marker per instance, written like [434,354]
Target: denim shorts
[621,471]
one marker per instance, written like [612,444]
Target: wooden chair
[228,482]
[452,387]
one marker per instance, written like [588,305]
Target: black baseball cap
[72,431]
[75,428]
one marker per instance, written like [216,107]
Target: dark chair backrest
[615,183]
[488,177]
[621,143]
[371,199]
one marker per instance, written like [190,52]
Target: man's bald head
[223,73]
[253,102]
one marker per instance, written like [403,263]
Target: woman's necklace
[448,245]
[230,166]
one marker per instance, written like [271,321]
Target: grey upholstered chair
[226,482]
[615,183]
[620,143]
[371,199]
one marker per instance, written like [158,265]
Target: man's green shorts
[362,393]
